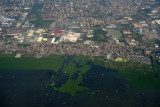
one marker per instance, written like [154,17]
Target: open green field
[115,33]
[99,35]
[42,23]
[36,18]
[6,55]
[29,63]
[140,76]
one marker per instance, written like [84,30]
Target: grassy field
[36,18]
[99,35]
[140,76]
[42,23]
[7,55]
[11,63]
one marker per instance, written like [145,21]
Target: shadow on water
[110,89]
[106,89]
[20,88]
[156,74]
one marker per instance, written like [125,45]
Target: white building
[30,33]
[87,42]
[158,21]
[39,39]
[45,39]
[70,37]
[53,40]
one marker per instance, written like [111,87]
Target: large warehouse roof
[158,21]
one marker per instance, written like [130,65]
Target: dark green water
[106,89]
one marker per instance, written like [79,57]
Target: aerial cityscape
[72,38]
[112,29]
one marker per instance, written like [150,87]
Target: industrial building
[158,22]
[39,39]
[70,37]
[30,33]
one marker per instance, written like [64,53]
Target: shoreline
[140,76]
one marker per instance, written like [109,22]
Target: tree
[99,35]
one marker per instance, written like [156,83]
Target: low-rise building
[158,22]
[39,39]
[19,55]
[137,25]
[53,40]
[126,32]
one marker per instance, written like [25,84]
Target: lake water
[106,89]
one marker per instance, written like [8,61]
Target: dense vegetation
[36,18]
[99,35]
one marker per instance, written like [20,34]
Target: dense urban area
[79,53]
[118,30]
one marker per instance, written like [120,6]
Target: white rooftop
[39,39]
[158,21]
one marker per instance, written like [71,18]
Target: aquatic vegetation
[78,63]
